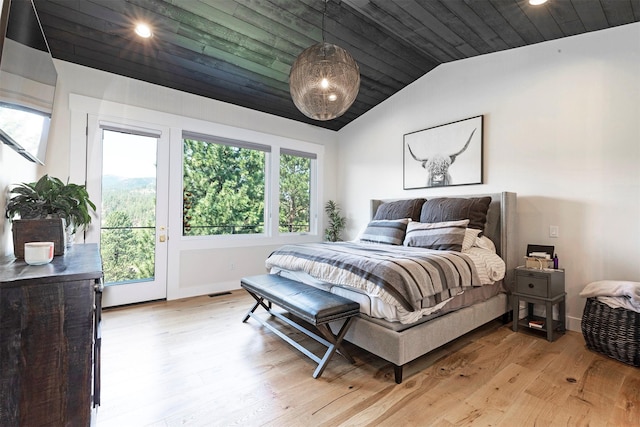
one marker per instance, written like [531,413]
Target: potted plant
[49,199]
[337,222]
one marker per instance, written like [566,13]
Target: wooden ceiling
[240,51]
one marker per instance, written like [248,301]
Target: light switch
[554,231]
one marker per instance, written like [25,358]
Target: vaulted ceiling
[241,51]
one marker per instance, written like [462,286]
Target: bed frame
[403,346]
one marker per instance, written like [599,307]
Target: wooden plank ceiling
[240,51]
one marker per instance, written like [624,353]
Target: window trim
[225,141]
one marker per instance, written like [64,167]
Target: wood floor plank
[487,404]
[193,362]
[627,403]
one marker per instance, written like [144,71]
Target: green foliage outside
[295,194]
[127,237]
[224,188]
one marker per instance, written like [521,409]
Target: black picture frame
[444,155]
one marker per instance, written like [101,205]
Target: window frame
[273,150]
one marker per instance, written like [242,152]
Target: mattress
[375,308]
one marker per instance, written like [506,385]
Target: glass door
[129,181]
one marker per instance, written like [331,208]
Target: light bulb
[143,30]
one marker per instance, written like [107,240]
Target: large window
[223,186]
[226,186]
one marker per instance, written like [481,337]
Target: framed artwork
[445,155]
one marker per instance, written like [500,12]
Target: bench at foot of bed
[305,302]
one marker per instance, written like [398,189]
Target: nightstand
[540,287]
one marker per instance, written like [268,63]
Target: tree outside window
[295,194]
[225,185]
[224,189]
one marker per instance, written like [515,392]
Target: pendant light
[324,80]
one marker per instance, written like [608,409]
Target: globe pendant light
[324,81]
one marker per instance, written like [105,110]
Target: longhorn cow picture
[445,155]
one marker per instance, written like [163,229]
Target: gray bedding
[468,298]
[414,278]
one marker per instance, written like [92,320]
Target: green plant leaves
[337,222]
[50,197]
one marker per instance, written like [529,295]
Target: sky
[128,156]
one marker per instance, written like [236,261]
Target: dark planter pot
[39,230]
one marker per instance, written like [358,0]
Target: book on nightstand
[536,324]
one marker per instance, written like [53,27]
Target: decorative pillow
[470,236]
[390,232]
[400,209]
[453,209]
[443,236]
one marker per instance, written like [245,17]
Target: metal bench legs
[331,341]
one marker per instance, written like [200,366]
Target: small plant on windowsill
[337,222]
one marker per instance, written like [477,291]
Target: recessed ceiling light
[143,30]
[537,2]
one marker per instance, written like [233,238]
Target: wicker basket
[614,332]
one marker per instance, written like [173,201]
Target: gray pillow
[390,232]
[453,209]
[441,236]
[400,209]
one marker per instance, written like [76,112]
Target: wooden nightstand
[540,287]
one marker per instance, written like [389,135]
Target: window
[223,186]
[295,192]
[226,188]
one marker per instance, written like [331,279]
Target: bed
[454,291]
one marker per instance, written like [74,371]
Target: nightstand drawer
[539,283]
[534,286]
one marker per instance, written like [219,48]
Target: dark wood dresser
[50,339]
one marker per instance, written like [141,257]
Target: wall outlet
[554,231]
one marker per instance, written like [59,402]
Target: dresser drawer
[534,286]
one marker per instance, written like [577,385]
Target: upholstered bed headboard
[500,227]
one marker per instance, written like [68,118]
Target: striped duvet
[411,278]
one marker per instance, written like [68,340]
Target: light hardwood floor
[193,362]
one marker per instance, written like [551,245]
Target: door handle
[163,236]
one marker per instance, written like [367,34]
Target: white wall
[14,169]
[561,129]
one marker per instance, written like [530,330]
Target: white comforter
[615,293]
